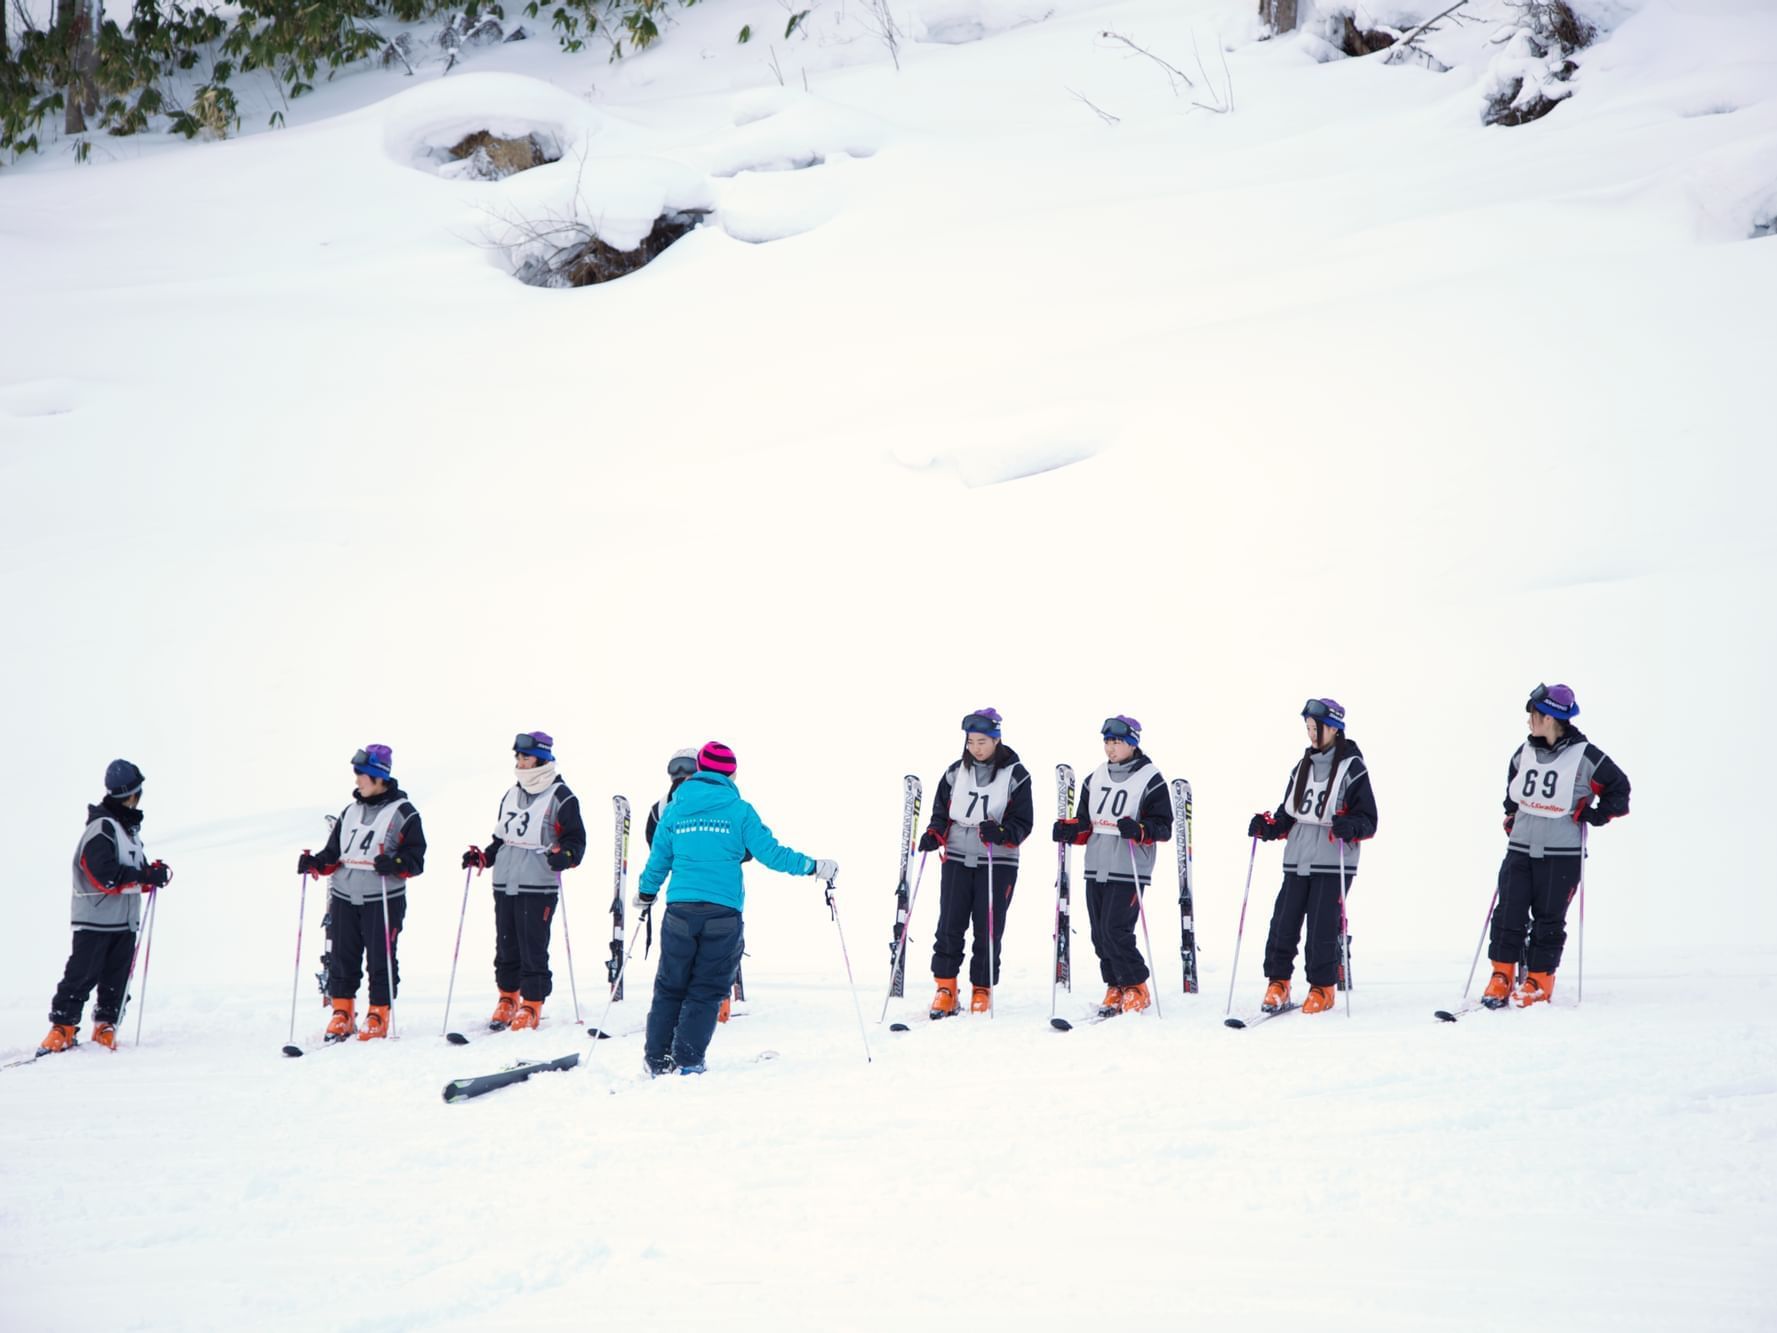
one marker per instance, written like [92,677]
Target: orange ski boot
[1277,996]
[529,1015]
[722,1013]
[1112,1002]
[944,1002]
[504,1010]
[1537,988]
[61,1037]
[1499,985]
[1320,998]
[1136,998]
[376,1022]
[106,1035]
[981,1001]
[341,1025]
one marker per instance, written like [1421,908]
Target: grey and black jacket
[1312,849]
[1601,794]
[962,841]
[1107,857]
[525,869]
[404,840]
[108,863]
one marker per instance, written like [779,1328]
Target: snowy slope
[1345,394]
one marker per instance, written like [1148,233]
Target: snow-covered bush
[1529,78]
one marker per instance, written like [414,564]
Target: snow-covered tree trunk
[1279,14]
[77,23]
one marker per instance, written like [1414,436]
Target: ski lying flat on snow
[462,1089]
[1252,1020]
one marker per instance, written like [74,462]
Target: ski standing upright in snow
[912,792]
[1064,804]
[1187,897]
[619,878]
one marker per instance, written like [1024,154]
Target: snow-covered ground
[963,396]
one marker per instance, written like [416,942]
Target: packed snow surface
[1011,376]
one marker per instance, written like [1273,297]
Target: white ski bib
[1113,800]
[1546,789]
[971,803]
[1312,808]
[524,826]
[362,834]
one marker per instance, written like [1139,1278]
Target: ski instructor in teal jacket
[704,834]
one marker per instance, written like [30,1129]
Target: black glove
[558,859]
[1261,827]
[993,831]
[1346,828]
[931,840]
[155,876]
[1506,823]
[386,864]
[1595,816]
[1131,829]
[1065,830]
[475,859]
[306,864]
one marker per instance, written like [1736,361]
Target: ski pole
[901,948]
[1578,981]
[450,989]
[1344,951]
[1060,925]
[561,897]
[1142,908]
[388,952]
[1240,931]
[992,942]
[622,965]
[302,900]
[147,957]
[1486,922]
[845,953]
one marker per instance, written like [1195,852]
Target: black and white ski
[1468,1007]
[1187,897]
[620,878]
[1259,1016]
[462,1089]
[912,794]
[1064,965]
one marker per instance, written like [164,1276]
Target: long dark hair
[1341,748]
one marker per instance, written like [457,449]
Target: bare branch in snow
[881,21]
[1224,96]
[1102,114]
[1406,42]
[1174,75]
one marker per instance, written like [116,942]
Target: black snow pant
[700,946]
[521,943]
[101,958]
[1316,898]
[962,904]
[355,937]
[1533,892]
[1113,909]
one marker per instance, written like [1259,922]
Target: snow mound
[957,22]
[39,398]
[1009,447]
[790,131]
[759,207]
[421,126]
